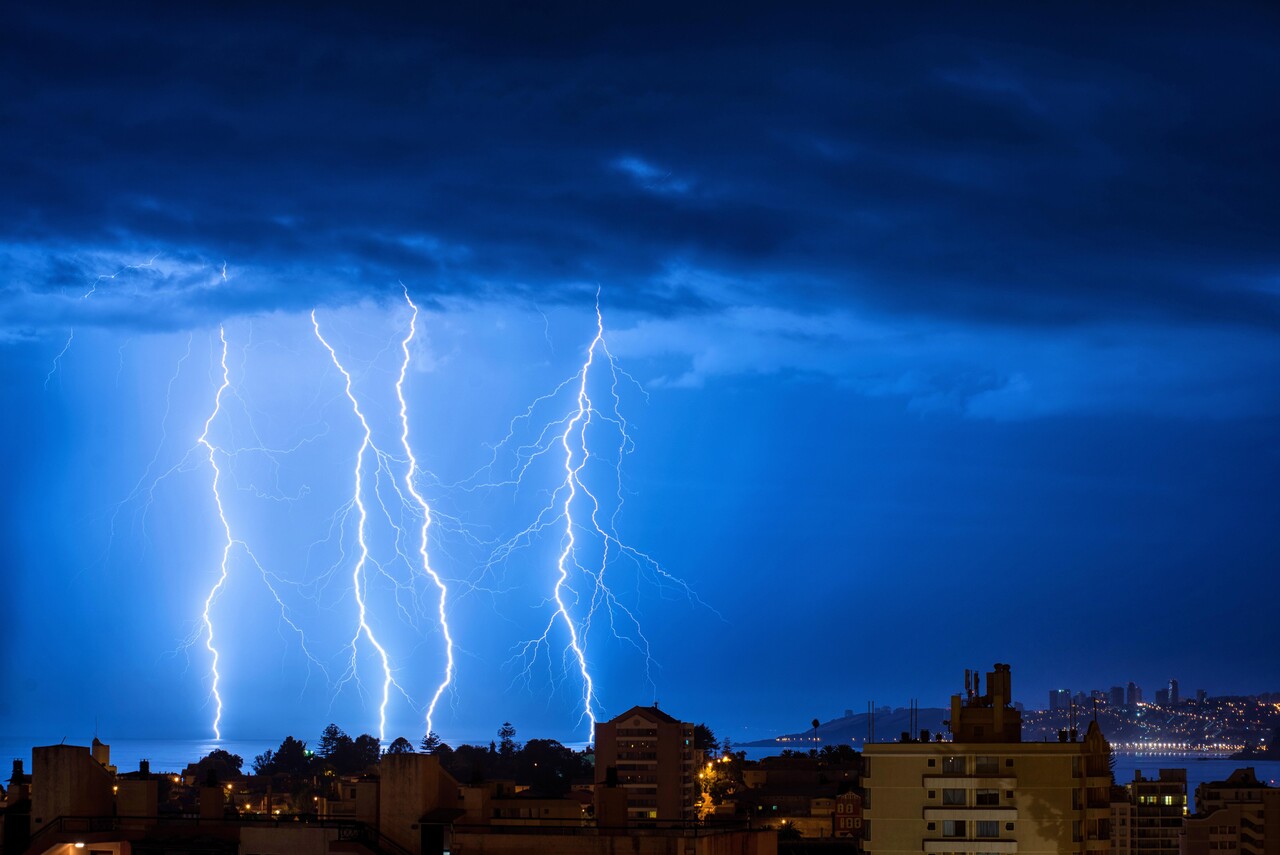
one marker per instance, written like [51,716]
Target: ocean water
[1200,768]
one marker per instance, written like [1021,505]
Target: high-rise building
[1117,696]
[1133,696]
[986,790]
[1174,697]
[1201,695]
[1059,700]
[1149,819]
[1162,697]
[649,754]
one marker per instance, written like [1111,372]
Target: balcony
[952,844]
[994,812]
[970,782]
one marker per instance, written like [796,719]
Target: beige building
[987,791]
[650,755]
[1238,816]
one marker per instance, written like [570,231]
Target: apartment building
[984,790]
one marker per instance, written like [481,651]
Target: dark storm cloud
[1026,167]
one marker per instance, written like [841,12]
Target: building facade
[987,791]
[650,755]
[1148,819]
[1238,816]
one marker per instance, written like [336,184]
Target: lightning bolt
[358,574]
[93,287]
[443,590]
[53,369]
[230,542]
[573,481]
[580,585]
[227,544]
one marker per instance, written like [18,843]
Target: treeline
[337,754]
[546,766]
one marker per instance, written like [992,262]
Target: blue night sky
[941,335]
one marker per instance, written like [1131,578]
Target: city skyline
[760,365]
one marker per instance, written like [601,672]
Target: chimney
[144,766]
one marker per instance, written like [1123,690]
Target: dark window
[987,798]
[933,761]
[987,828]
[953,797]
[953,828]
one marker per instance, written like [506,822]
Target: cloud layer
[1013,174]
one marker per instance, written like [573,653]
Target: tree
[507,745]
[331,741]
[265,763]
[291,757]
[430,743]
[365,752]
[400,745]
[704,738]
[221,765]
[548,767]
[468,763]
